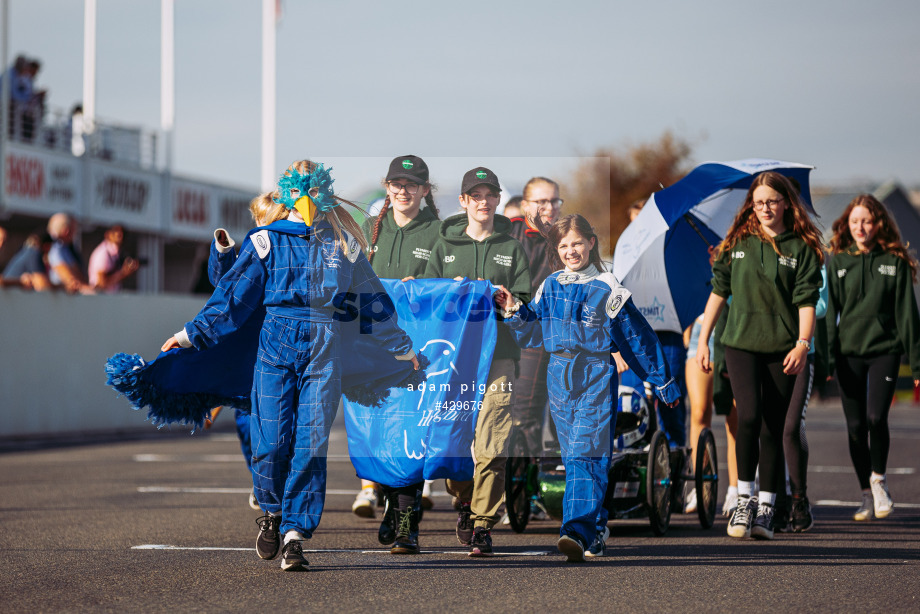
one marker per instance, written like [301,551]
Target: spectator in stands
[64,260]
[27,267]
[26,104]
[75,131]
[108,267]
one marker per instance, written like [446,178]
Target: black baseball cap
[412,168]
[477,176]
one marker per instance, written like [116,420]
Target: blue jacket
[299,271]
[590,312]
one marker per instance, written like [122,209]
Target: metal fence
[105,140]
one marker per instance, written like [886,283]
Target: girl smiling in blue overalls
[581,315]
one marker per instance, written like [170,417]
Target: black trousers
[867,387]
[771,413]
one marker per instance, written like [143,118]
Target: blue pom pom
[128,374]
[365,395]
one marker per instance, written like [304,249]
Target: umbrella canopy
[663,255]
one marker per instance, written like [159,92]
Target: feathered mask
[306,192]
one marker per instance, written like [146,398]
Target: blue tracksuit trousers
[296,392]
[242,432]
[581,403]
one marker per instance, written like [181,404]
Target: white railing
[61,131]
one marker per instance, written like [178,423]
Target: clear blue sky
[526,85]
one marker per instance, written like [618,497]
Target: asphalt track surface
[160,523]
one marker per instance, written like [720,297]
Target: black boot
[386,534]
[407,533]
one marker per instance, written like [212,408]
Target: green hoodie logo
[407,164]
[481,174]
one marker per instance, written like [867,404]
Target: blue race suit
[219,262]
[584,316]
[306,283]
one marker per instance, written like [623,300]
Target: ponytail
[429,200]
[377,222]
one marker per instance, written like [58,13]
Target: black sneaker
[743,515]
[763,523]
[481,542]
[782,520]
[802,518]
[268,543]
[599,546]
[386,534]
[572,547]
[292,558]
[407,533]
[465,524]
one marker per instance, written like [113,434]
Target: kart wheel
[707,478]
[517,491]
[658,483]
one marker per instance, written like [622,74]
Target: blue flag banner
[425,431]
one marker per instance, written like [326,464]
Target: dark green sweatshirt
[498,258]
[403,252]
[872,308]
[767,291]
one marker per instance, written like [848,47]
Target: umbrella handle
[693,225]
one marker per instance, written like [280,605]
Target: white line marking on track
[840,469]
[238,491]
[167,547]
[211,458]
[221,437]
[319,550]
[836,503]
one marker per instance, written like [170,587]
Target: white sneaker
[865,510]
[253,502]
[365,503]
[881,498]
[690,506]
[427,501]
[731,502]
[743,517]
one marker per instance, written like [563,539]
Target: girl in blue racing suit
[581,315]
[303,269]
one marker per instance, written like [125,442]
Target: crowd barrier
[54,347]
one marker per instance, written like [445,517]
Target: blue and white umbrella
[662,257]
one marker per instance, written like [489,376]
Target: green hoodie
[873,296]
[767,291]
[403,252]
[498,258]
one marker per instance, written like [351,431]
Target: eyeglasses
[556,203]
[772,204]
[396,188]
[480,198]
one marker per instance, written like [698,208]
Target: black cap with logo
[412,168]
[477,176]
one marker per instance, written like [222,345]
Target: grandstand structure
[110,175]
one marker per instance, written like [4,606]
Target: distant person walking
[476,244]
[872,322]
[540,205]
[770,265]
[400,240]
